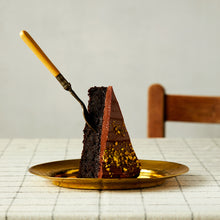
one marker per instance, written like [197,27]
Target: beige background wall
[125,43]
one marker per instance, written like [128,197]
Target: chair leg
[156,95]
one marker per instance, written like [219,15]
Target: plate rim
[31,170]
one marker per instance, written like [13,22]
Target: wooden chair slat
[164,107]
[192,108]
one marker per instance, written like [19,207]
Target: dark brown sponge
[89,164]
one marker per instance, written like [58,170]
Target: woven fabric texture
[195,195]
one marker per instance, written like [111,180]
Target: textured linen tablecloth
[195,195]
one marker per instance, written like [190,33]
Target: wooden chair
[164,107]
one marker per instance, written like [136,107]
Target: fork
[25,36]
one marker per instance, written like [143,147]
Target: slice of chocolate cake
[107,153]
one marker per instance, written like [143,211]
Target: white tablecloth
[195,195]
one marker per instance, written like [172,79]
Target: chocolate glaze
[117,156]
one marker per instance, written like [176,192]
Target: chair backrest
[165,107]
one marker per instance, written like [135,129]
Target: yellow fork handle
[25,36]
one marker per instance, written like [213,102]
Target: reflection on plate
[64,173]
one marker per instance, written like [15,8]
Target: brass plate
[153,173]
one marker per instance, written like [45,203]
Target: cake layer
[89,164]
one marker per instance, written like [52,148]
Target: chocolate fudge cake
[107,152]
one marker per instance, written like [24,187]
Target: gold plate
[153,173]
